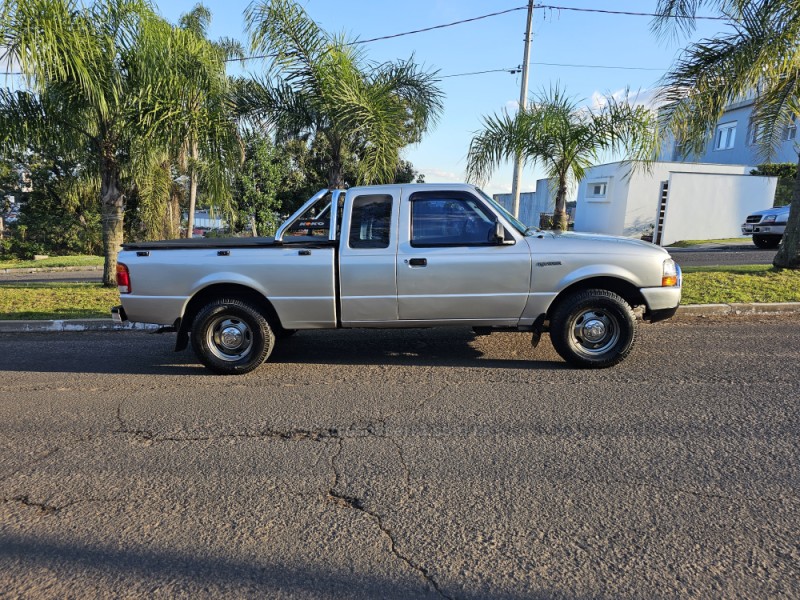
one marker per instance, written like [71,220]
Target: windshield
[515,222]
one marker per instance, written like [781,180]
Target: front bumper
[750,229]
[662,302]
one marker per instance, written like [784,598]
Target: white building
[673,201]
[531,204]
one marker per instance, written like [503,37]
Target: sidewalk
[689,311]
[50,269]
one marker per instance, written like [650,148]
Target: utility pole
[523,103]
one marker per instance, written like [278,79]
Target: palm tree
[563,137]
[320,85]
[105,84]
[210,137]
[90,90]
[760,54]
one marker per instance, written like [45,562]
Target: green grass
[747,283]
[56,301]
[54,261]
[690,243]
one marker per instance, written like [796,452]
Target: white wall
[704,206]
[531,203]
[602,215]
[631,203]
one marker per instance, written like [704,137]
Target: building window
[756,133]
[596,189]
[725,136]
[791,130]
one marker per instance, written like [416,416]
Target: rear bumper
[118,314]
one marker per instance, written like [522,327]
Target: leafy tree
[563,137]
[257,183]
[106,86]
[761,55]
[60,213]
[786,174]
[208,126]
[75,61]
[406,173]
[321,86]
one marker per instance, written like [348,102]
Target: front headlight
[768,219]
[669,274]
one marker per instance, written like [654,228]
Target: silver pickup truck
[419,255]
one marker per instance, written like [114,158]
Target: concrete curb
[689,311]
[737,309]
[49,269]
[67,325]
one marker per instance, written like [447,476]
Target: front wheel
[766,242]
[231,337]
[593,329]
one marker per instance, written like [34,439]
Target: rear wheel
[231,337]
[593,329]
[766,242]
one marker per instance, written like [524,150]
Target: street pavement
[403,464]
[711,255]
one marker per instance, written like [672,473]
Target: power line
[396,35]
[549,64]
[513,71]
[486,16]
[495,14]
[627,13]
[517,69]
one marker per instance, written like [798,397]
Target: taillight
[123,279]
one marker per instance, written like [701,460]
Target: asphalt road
[92,276]
[403,464]
[724,255]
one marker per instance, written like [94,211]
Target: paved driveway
[403,464]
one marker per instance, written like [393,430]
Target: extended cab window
[370,222]
[441,219]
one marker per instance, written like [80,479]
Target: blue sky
[559,36]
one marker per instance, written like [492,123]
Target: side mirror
[499,235]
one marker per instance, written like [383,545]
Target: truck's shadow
[455,347]
[151,354]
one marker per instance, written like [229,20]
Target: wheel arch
[222,290]
[625,289]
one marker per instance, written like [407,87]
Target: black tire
[231,337]
[593,329]
[766,242]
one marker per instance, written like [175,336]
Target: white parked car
[766,226]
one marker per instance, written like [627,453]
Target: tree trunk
[788,256]
[560,214]
[335,177]
[192,188]
[174,216]
[253,226]
[112,210]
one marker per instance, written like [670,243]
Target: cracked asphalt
[403,464]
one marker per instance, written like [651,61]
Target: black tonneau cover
[233,242]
